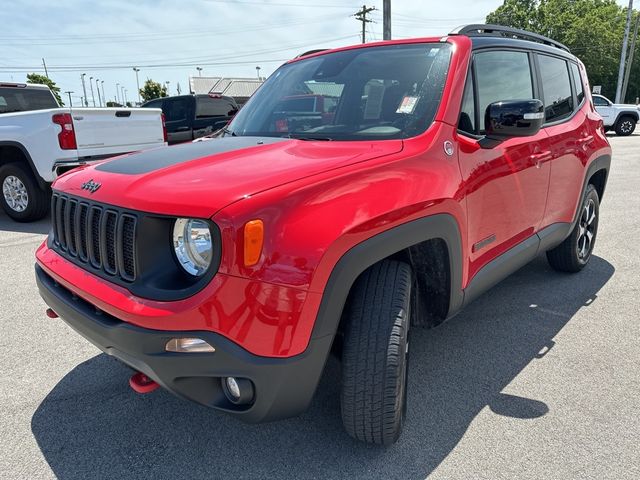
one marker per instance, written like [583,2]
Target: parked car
[193,116]
[619,117]
[39,140]
[231,268]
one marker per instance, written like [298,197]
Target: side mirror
[512,118]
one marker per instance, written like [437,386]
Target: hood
[198,179]
[627,106]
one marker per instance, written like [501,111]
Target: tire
[625,125]
[574,253]
[20,195]
[375,353]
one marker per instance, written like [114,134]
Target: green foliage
[152,90]
[592,29]
[36,78]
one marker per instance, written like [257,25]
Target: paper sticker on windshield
[408,105]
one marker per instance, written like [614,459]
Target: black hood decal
[158,158]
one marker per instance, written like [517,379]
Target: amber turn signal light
[253,240]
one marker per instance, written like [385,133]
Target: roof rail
[311,52]
[477,30]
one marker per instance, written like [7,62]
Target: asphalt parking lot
[539,378]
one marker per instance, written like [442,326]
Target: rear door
[110,131]
[179,115]
[563,89]
[505,186]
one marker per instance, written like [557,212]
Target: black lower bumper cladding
[283,387]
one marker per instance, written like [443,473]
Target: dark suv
[361,192]
[189,117]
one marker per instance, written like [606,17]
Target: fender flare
[600,163]
[10,143]
[626,113]
[363,255]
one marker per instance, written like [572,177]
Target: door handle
[540,158]
[182,129]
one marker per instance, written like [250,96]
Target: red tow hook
[142,384]
[50,313]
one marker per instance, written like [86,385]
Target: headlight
[192,244]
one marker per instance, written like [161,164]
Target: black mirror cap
[513,118]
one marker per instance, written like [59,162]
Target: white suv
[616,116]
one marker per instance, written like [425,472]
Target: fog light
[188,345]
[233,387]
[238,390]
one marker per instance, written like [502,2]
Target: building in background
[238,88]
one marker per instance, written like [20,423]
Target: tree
[152,90]
[37,78]
[592,29]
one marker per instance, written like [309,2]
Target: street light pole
[167,84]
[125,97]
[84,90]
[104,99]
[93,98]
[70,101]
[117,92]
[199,71]
[124,104]
[136,69]
[258,72]
[98,91]
[623,55]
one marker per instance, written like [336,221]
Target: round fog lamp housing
[188,345]
[238,391]
[193,245]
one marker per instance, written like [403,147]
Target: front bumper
[283,387]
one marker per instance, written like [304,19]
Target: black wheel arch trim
[365,254]
[9,143]
[627,113]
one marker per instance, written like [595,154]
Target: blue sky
[168,39]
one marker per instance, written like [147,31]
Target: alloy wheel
[587,230]
[15,193]
[626,126]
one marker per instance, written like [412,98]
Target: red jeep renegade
[226,270]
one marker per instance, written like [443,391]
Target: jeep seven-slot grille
[95,235]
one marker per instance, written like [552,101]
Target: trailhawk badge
[91,186]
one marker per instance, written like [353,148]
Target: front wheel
[625,126]
[375,353]
[22,198]
[574,253]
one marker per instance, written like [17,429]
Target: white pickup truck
[39,140]
[616,116]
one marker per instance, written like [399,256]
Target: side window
[175,110]
[502,75]
[556,86]
[577,82]
[213,107]
[600,102]
[467,121]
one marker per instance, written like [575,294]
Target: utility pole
[625,84]
[93,98]
[361,16]
[136,69]
[70,101]
[84,90]
[623,55]
[386,20]
[46,74]
[98,90]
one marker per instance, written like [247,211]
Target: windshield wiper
[226,131]
[309,137]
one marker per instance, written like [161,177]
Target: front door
[506,186]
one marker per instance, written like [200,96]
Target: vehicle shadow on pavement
[92,425]
[7,224]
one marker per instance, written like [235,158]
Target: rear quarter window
[577,82]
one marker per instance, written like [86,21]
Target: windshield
[361,94]
[24,99]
